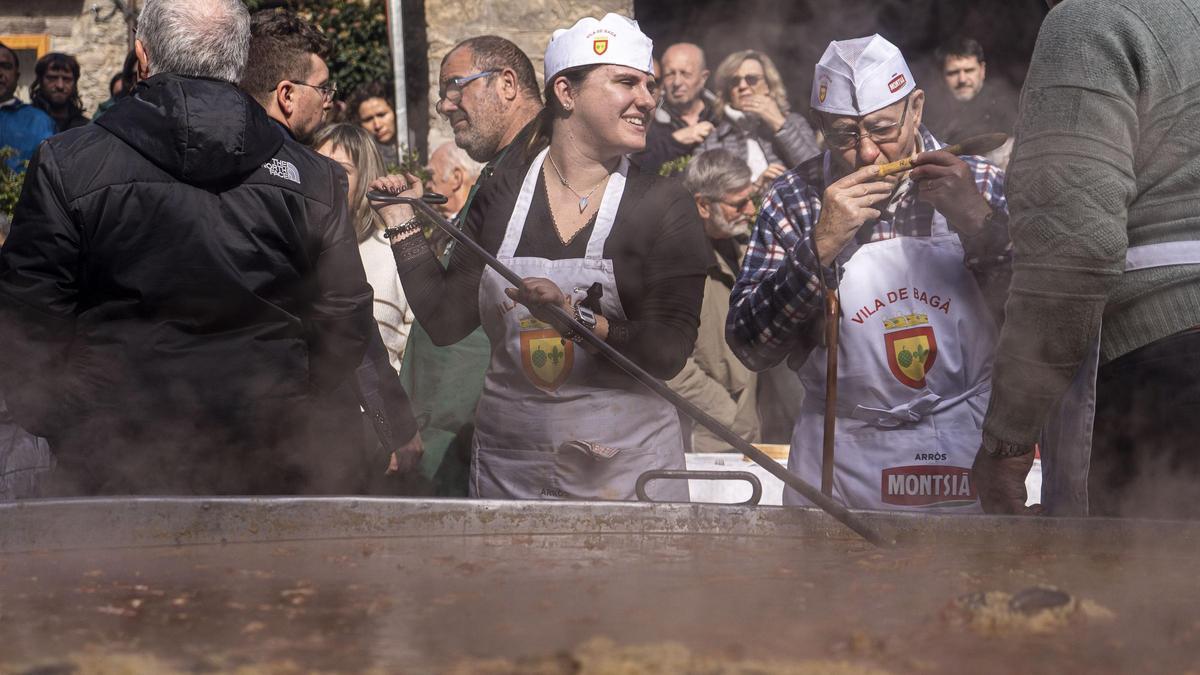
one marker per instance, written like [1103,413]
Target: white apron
[1066,445]
[541,392]
[914,375]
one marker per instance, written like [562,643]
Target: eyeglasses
[328,91]
[452,91]
[880,133]
[751,80]
[738,205]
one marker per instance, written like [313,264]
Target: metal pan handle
[682,474]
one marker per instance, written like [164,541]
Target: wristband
[403,228]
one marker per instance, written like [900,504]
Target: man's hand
[768,176]
[406,185]
[538,294]
[945,181]
[1000,483]
[694,134]
[766,109]
[848,204]
[406,457]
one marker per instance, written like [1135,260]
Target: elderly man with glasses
[911,259]
[713,378]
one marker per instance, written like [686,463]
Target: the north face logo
[282,169]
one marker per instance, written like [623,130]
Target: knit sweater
[1107,156]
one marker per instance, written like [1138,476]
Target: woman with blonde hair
[623,251]
[354,149]
[756,123]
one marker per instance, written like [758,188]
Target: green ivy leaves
[358,32]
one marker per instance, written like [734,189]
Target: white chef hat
[860,76]
[613,40]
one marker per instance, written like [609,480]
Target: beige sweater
[1107,156]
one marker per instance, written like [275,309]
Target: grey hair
[715,173]
[196,38]
[459,158]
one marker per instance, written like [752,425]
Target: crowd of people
[199,295]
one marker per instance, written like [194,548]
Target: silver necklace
[583,199]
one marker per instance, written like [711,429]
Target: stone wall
[528,23]
[73,29]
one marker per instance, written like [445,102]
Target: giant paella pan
[420,586]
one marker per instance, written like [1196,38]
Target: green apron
[444,384]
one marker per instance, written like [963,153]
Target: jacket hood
[203,132]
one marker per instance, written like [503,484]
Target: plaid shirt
[776,303]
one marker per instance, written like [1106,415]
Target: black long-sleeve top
[657,246]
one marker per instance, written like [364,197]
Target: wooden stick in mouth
[975,145]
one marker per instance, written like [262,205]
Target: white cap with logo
[857,77]
[613,40]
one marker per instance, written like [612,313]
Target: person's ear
[457,179]
[918,107]
[285,98]
[143,60]
[704,78]
[566,96]
[703,207]
[509,89]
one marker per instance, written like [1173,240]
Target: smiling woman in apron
[624,252]
[909,259]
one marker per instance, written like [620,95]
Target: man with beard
[286,72]
[685,118]
[488,92]
[182,282]
[55,90]
[22,126]
[713,378]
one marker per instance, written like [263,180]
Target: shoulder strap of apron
[516,222]
[607,213]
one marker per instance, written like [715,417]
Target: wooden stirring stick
[975,145]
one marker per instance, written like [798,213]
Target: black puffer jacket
[180,280]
